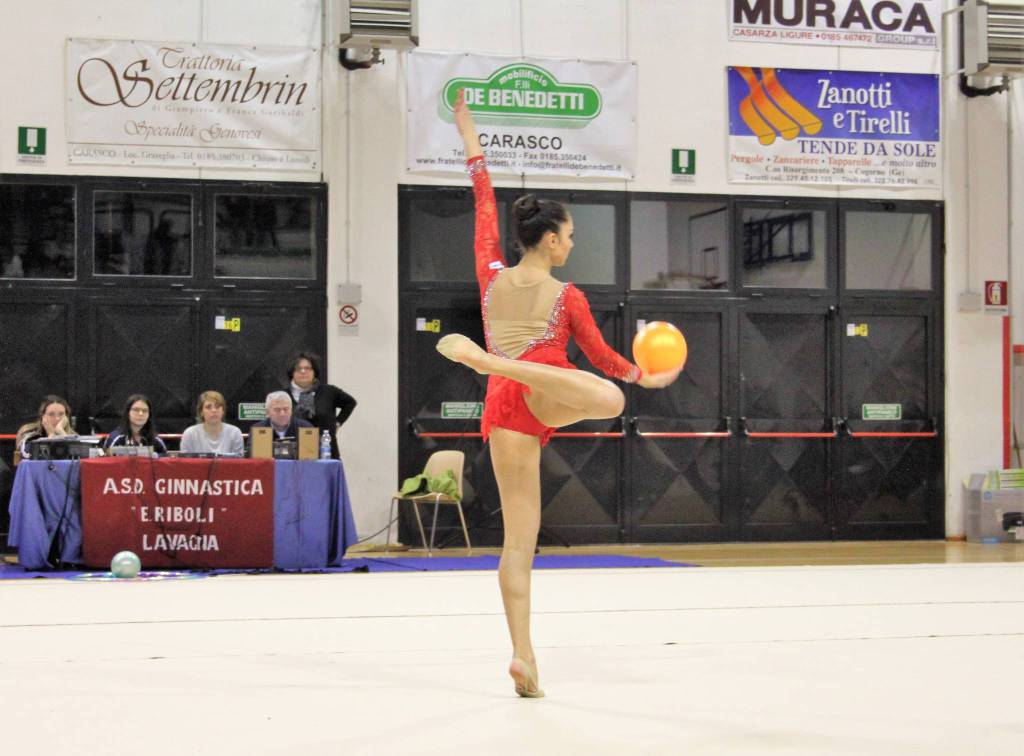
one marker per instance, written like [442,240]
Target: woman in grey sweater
[211,434]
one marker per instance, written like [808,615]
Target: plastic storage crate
[995,507]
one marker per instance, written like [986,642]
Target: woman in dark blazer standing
[322,404]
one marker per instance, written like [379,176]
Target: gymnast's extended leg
[561,396]
[516,461]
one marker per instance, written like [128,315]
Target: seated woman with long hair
[137,427]
[52,420]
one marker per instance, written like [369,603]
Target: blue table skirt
[313,524]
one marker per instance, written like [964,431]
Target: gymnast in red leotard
[533,388]
[529,317]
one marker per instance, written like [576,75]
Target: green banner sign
[523,94]
[462,410]
[881,411]
[251,411]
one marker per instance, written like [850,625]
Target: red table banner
[204,513]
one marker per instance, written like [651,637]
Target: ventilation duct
[377,24]
[992,38]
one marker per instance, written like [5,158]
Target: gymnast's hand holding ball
[659,349]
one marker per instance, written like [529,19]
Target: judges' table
[203,513]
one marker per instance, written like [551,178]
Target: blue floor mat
[409,564]
[14,571]
[489,562]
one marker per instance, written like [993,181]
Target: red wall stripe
[1006,390]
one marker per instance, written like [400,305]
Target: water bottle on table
[325,445]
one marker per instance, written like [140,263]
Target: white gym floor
[892,659]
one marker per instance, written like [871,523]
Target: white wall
[682,52]
[976,251]
[363,196]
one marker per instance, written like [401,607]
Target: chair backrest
[448,459]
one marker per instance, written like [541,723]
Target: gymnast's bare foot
[459,348]
[525,678]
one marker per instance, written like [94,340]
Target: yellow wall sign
[221,323]
[857,329]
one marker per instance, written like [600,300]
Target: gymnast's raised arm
[486,242]
[467,128]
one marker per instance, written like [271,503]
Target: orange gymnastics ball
[659,347]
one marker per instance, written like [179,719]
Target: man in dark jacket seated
[279,417]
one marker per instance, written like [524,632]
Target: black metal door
[35,353]
[177,345]
[36,359]
[680,452]
[138,345]
[769,434]
[582,482]
[786,420]
[439,408]
[247,339]
[763,437]
[889,478]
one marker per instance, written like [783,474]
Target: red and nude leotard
[531,322]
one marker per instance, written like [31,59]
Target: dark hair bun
[536,217]
[526,207]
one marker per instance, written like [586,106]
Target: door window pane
[783,248]
[37,231]
[887,250]
[142,234]
[265,236]
[441,232]
[679,245]
[592,260]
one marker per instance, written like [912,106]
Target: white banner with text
[538,116]
[176,104]
[906,24]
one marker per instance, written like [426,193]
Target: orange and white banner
[203,105]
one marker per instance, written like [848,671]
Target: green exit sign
[881,412]
[251,411]
[462,410]
[684,162]
[31,140]
[31,145]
